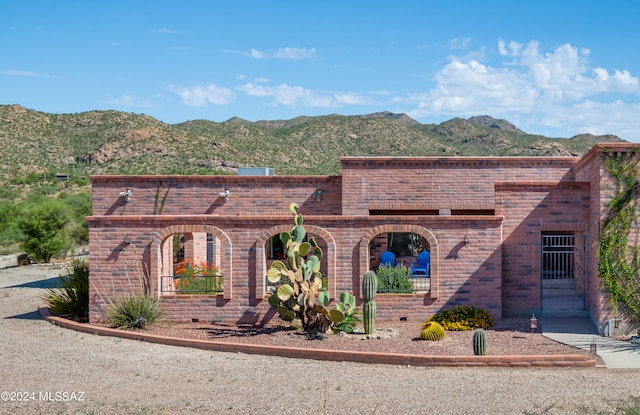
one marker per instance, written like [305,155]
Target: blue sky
[557,68]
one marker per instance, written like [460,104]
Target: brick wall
[506,204]
[529,209]
[440,183]
[460,274]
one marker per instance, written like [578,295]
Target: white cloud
[200,95]
[15,72]
[284,53]
[559,83]
[129,101]
[458,43]
[295,96]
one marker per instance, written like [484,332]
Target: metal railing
[558,257]
[403,284]
[173,284]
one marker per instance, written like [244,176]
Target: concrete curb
[524,361]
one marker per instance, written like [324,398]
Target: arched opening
[405,255]
[194,260]
[269,249]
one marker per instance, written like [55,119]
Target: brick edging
[519,361]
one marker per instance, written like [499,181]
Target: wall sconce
[465,240]
[318,194]
[533,322]
[127,195]
[126,240]
[225,193]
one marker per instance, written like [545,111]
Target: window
[275,248]
[406,243]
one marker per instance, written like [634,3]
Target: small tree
[45,230]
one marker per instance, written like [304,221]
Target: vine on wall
[618,249]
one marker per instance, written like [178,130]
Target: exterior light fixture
[533,321]
[318,194]
[465,240]
[127,195]
[225,193]
[126,240]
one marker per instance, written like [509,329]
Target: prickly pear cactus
[369,289]
[299,297]
[479,342]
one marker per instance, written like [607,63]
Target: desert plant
[369,289]
[134,312]
[432,331]
[394,279]
[299,297]
[71,299]
[45,228]
[344,317]
[479,342]
[463,318]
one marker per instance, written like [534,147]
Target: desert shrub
[9,232]
[462,318]
[80,205]
[72,298]
[45,229]
[394,279]
[134,312]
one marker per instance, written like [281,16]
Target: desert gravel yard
[45,369]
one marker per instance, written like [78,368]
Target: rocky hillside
[112,142]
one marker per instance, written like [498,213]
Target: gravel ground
[47,369]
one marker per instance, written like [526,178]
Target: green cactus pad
[274,301]
[304,248]
[274,275]
[323,298]
[336,315]
[279,265]
[285,291]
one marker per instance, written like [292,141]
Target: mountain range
[114,142]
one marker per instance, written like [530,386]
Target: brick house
[514,235]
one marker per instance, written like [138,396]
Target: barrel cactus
[432,330]
[479,342]
[369,289]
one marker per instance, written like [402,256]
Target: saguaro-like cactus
[479,342]
[369,289]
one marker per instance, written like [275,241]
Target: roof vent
[255,171]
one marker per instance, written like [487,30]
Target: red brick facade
[501,204]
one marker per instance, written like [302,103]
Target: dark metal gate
[558,256]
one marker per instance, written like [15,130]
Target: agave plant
[71,299]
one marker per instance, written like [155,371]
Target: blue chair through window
[422,268]
[389,258]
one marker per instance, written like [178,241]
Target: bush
[45,230]
[394,279]
[72,298]
[463,318]
[134,312]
